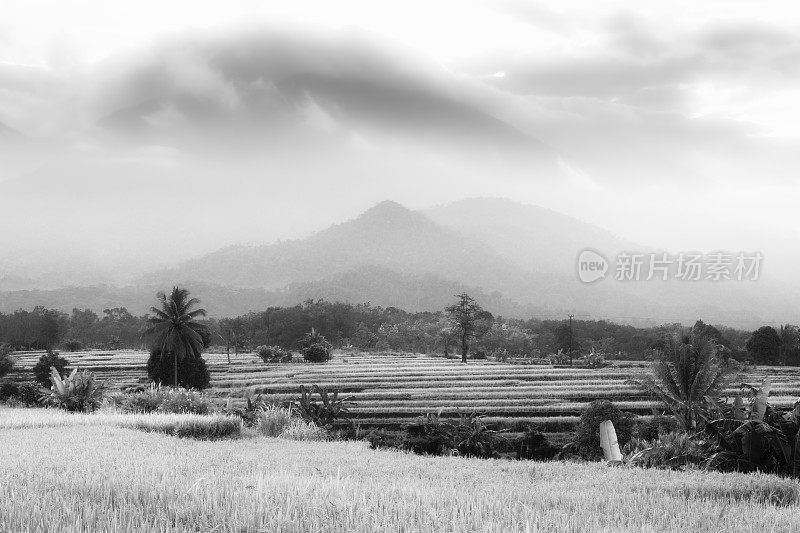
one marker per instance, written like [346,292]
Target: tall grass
[88,478]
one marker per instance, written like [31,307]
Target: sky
[673,124]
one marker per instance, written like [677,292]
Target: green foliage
[535,446]
[468,321]
[78,392]
[559,358]
[323,412]
[23,394]
[41,370]
[192,371]
[6,363]
[651,429]
[593,360]
[675,449]
[430,435]
[686,375]
[250,412]
[586,441]
[764,345]
[175,334]
[273,354]
[317,353]
[473,438]
[272,420]
[74,346]
[184,401]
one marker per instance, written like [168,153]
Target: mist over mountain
[517,260]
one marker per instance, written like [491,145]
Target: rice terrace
[403,266]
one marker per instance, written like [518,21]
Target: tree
[468,320]
[764,345]
[174,330]
[790,341]
[686,373]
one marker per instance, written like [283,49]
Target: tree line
[369,327]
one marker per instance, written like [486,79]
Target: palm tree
[686,375]
[174,329]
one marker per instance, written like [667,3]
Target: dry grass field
[64,472]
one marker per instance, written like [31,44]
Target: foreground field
[100,477]
[392,389]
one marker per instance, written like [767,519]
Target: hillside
[388,236]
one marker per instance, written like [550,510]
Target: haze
[136,135]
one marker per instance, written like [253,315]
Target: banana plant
[763,440]
[80,391]
[326,411]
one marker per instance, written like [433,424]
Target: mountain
[388,235]
[534,238]
[517,260]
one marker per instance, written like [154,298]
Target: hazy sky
[674,124]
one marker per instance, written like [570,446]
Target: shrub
[78,392]
[478,354]
[146,401]
[192,371]
[500,355]
[184,401]
[594,360]
[193,427]
[298,429]
[473,438]
[6,364]
[534,445]
[669,450]
[325,412]
[250,412]
[41,370]
[586,441]
[316,353]
[26,393]
[274,354]
[74,346]
[272,420]
[429,435]
[651,429]
[382,438]
[559,358]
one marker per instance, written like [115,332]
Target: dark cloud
[273,80]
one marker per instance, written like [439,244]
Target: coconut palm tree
[686,374]
[174,329]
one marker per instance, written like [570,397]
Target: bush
[74,346]
[478,354]
[298,429]
[473,438]
[429,435]
[192,371]
[325,412]
[382,438]
[668,450]
[41,370]
[650,430]
[316,353]
[534,445]
[594,360]
[6,364]
[272,420]
[78,392]
[26,393]
[586,441]
[193,427]
[184,401]
[500,356]
[146,401]
[274,354]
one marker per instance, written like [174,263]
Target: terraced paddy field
[391,389]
